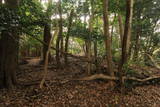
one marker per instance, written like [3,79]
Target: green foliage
[80,31]
[31,13]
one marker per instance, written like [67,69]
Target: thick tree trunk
[9,52]
[9,58]
[46,39]
[126,37]
[67,36]
[107,37]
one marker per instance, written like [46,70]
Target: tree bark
[95,54]
[46,39]
[9,52]
[107,37]
[46,63]
[121,29]
[59,38]
[9,58]
[67,36]
[126,37]
[137,45]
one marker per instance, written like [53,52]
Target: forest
[79,53]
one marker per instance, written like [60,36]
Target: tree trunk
[126,37]
[67,36]
[46,39]
[137,45]
[9,52]
[46,62]
[61,29]
[138,33]
[59,38]
[121,29]
[9,58]
[95,54]
[89,39]
[88,45]
[107,37]
[1,73]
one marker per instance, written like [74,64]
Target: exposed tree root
[95,77]
[98,76]
[102,76]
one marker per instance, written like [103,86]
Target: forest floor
[61,91]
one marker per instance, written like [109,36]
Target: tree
[126,37]
[9,48]
[59,38]
[46,39]
[107,37]
[121,30]
[68,34]
[47,29]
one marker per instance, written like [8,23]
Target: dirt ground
[61,91]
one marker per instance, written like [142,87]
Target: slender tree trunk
[1,72]
[95,54]
[138,33]
[67,36]
[86,48]
[88,51]
[126,37]
[46,63]
[112,33]
[89,45]
[61,29]
[107,37]
[137,45]
[46,39]
[112,27]
[59,38]
[121,29]
[89,40]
